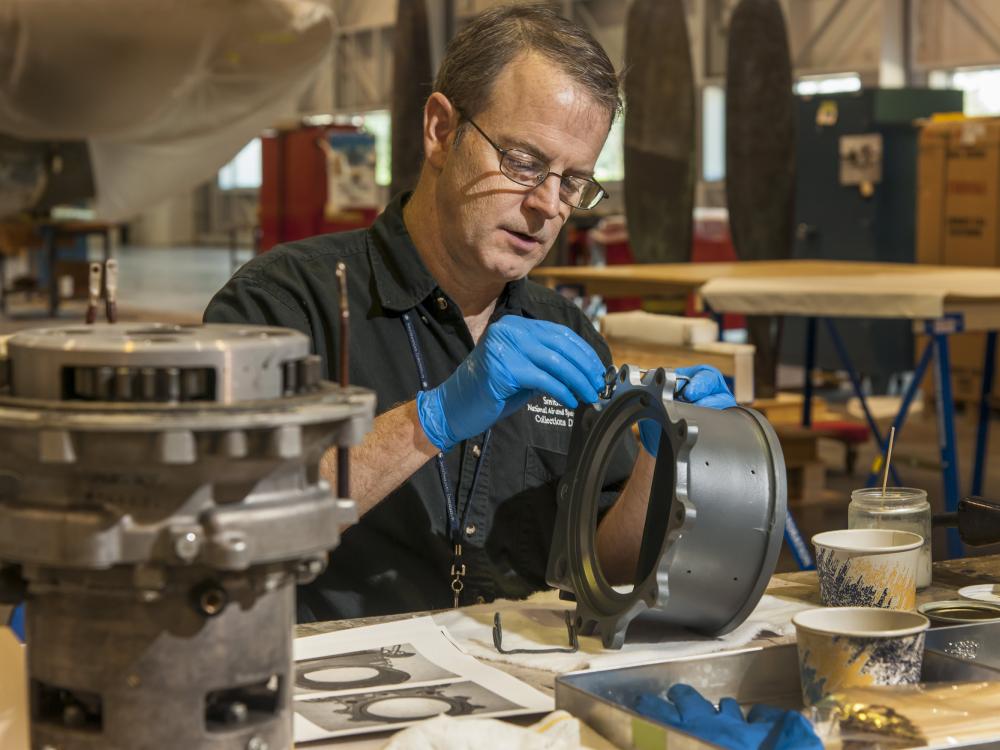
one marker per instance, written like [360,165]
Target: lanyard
[455,525]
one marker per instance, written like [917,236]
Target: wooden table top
[804,287]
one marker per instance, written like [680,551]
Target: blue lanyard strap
[451,502]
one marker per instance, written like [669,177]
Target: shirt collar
[401,278]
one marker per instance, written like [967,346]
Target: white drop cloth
[538,623]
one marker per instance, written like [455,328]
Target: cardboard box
[958,210]
[806,484]
[958,192]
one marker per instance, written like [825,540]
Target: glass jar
[901,508]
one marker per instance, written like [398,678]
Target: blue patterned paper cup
[868,568]
[845,647]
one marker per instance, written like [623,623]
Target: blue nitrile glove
[765,728]
[17,622]
[706,387]
[515,359]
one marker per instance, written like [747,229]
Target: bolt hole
[735,578]
[706,463]
[212,602]
[689,572]
[752,471]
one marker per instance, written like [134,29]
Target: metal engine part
[715,519]
[159,500]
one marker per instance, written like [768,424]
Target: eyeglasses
[528,170]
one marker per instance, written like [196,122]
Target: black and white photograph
[387,666]
[380,677]
[366,711]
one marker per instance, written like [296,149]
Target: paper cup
[868,568]
[846,647]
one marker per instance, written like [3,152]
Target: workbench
[54,235]
[949,576]
[939,300]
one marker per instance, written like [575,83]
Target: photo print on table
[398,664]
[390,708]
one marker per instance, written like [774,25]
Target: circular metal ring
[716,511]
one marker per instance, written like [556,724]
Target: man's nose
[545,197]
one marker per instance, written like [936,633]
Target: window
[610,165]
[244,171]
[981,87]
[379,124]
[713,133]
[830,84]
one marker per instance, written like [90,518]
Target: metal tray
[978,642]
[759,675]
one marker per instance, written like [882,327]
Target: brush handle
[977,519]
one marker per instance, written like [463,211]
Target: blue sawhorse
[937,348]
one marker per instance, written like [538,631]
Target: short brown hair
[479,52]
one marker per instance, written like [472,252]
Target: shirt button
[470,529]
[442,303]
[476,451]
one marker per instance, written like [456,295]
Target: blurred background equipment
[760,156]
[412,82]
[315,179]
[856,199]
[659,131]
[197,87]
[159,501]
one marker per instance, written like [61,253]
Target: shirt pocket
[548,425]
[543,466]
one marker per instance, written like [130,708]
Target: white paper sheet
[538,623]
[385,677]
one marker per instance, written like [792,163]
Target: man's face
[491,225]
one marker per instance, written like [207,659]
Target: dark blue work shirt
[398,556]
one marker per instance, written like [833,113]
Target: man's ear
[440,124]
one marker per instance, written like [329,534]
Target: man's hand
[706,387]
[514,360]
[765,728]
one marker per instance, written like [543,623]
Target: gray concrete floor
[178,280]
[175,284]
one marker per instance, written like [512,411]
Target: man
[477,370]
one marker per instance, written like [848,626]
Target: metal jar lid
[959,611]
